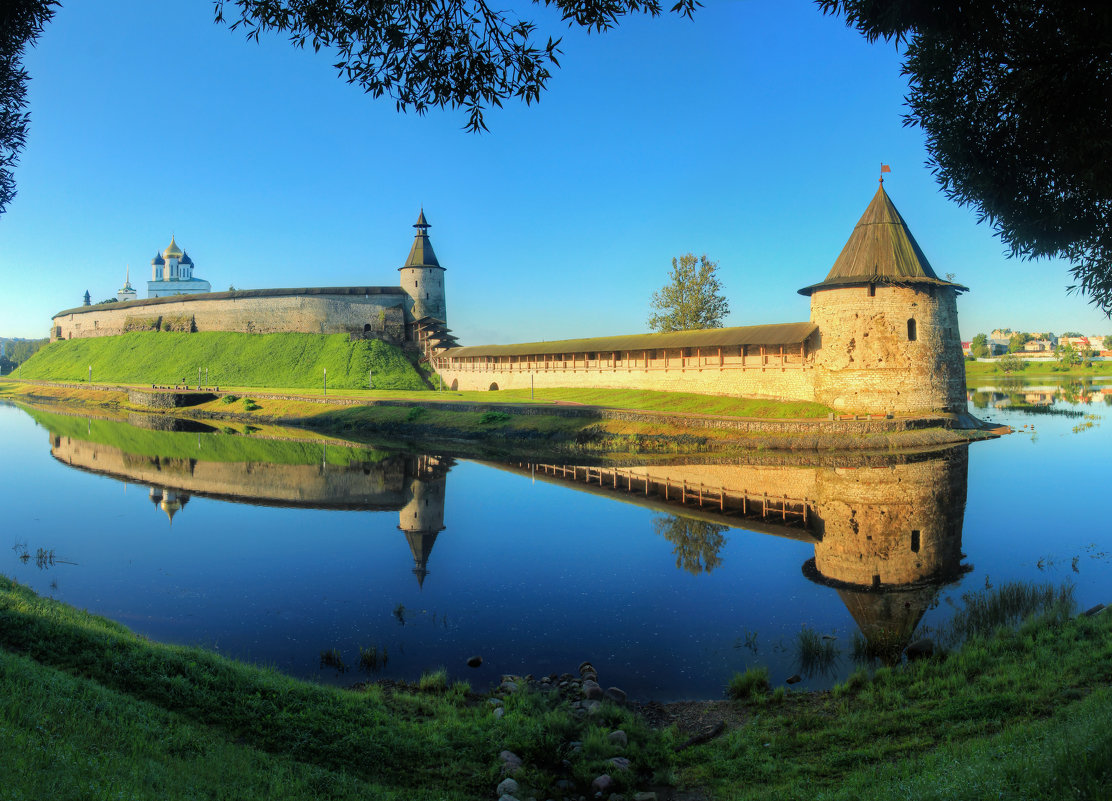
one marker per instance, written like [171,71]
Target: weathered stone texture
[865,360]
[787,383]
[893,526]
[382,315]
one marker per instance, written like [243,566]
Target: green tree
[979,346]
[1066,356]
[1013,100]
[21,22]
[1108,342]
[691,299]
[434,53]
[1011,363]
[1017,341]
[696,542]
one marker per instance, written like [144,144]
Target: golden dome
[173,251]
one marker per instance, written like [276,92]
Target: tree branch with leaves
[433,53]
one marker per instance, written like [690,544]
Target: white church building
[172,274]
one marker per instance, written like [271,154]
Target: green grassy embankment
[1042,368]
[89,709]
[231,359]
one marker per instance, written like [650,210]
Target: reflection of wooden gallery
[411,485]
[694,494]
[886,535]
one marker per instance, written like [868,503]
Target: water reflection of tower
[422,518]
[890,539]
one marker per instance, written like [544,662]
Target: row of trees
[979,346]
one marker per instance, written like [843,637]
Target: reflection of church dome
[170,502]
[172,251]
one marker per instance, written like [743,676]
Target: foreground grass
[997,702]
[246,360]
[89,709]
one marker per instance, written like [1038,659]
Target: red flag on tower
[885,168]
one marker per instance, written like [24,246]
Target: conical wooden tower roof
[881,250]
[421,253]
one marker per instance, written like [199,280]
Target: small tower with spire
[888,325]
[127,291]
[422,277]
[87,300]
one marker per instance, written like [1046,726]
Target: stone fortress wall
[882,338]
[791,381]
[374,311]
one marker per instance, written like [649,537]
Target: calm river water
[668,577]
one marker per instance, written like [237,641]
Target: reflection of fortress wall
[892,526]
[885,536]
[380,485]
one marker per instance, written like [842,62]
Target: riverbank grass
[84,703]
[998,700]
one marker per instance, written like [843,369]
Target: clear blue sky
[753,133]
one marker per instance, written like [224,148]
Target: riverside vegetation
[1017,711]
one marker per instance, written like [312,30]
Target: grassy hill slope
[234,360]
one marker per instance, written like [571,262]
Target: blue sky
[753,133]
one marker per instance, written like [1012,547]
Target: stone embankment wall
[897,350]
[155,399]
[378,311]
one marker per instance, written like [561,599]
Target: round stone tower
[888,325]
[422,277]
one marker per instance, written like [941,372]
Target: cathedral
[172,274]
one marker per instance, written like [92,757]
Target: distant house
[1038,346]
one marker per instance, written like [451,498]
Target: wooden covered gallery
[751,346]
[649,360]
